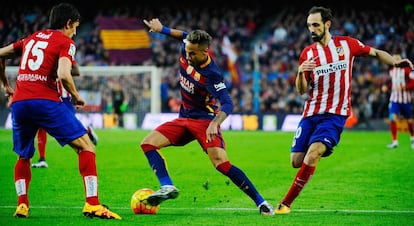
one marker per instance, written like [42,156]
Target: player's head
[196,48]
[62,15]
[319,21]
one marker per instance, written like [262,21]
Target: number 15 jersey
[40,53]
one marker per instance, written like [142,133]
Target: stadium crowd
[266,41]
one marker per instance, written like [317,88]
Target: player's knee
[296,164]
[224,167]
[148,147]
[296,159]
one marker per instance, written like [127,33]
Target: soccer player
[400,106]
[325,74]
[48,56]
[42,135]
[201,85]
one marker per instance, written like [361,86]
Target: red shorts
[181,131]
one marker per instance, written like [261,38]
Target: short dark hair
[200,37]
[326,13]
[61,13]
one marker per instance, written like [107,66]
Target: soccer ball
[139,203]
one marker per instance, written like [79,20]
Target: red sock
[22,178]
[393,128]
[41,143]
[87,169]
[302,177]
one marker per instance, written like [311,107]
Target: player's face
[194,54]
[316,27]
[72,28]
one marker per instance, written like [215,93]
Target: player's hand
[404,63]
[9,96]
[212,131]
[78,102]
[308,65]
[154,25]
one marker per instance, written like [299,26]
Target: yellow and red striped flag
[126,40]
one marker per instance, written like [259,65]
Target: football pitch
[362,183]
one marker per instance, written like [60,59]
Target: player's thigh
[156,138]
[174,132]
[24,128]
[61,123]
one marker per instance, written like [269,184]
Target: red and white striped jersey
[63,93]
[402,84]
[330,81]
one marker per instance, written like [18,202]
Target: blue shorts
[29,115]
[399,109]
[68,103]
[326,128]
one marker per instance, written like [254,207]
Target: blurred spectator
[118,103]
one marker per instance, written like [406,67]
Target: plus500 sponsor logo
[332,67]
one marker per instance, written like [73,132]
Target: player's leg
[302,177]
[22,178]
[92,135]
[393,112]
[77,138]
[298,152]
[322,133]
[41,146]
[219,159]
[410,126]
[23,144]
[150,146]
[407,114]
[91,132]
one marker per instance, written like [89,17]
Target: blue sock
[157,164]
[240,179]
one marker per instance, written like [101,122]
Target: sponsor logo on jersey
[331,67]
[31,77]
[340,50]
[186,84]
[197,76]
[72,50]
[219,86]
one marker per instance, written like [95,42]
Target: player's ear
[328,23]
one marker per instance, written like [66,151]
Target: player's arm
[75,70]
[304,69]
[6,52]
[386,58]
[5,82]
[301,83]
[155,25]
[64,75]
[225,109]
[409,79]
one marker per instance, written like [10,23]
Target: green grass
[362,183]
